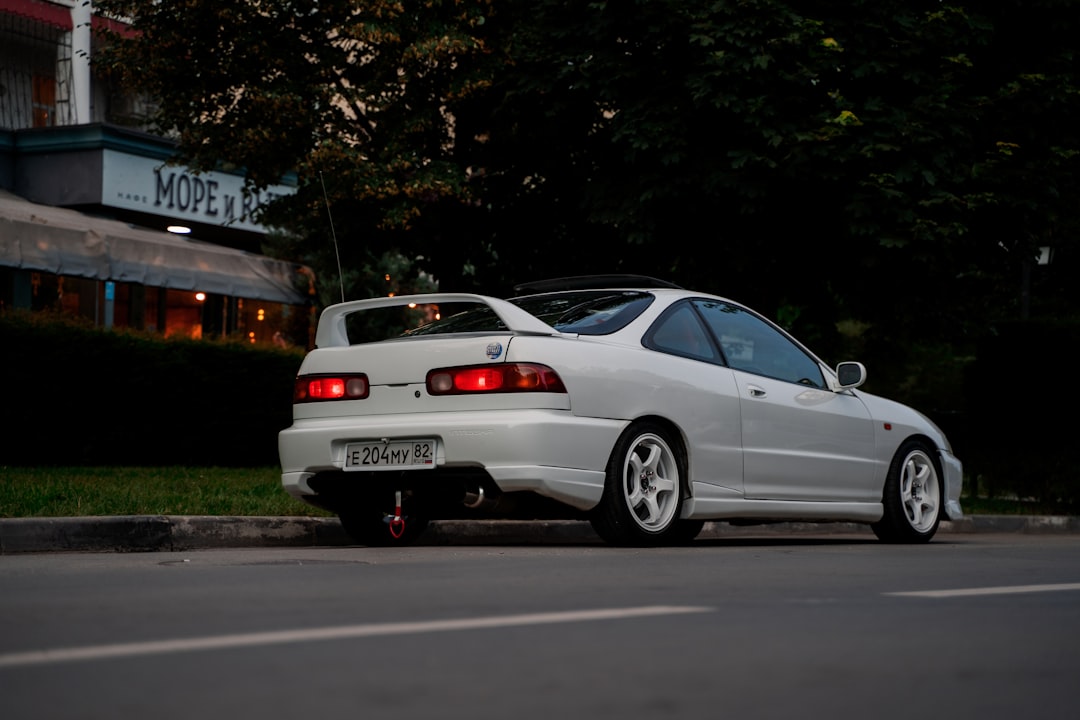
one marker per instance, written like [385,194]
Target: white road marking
[1004,590]
[218,642]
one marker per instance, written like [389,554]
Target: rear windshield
[585,312]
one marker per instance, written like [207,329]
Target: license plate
[394,455]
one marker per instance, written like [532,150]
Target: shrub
[1020,398]
[75,394]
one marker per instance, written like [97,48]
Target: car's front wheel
[912,496]
[643,489]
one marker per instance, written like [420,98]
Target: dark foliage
[878,175]
[1019,433]
[78,395]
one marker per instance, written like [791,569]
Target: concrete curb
[161,533]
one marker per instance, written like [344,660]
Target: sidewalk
[162,533]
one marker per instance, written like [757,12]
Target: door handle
[755,391]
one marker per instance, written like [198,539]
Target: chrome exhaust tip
[475,499]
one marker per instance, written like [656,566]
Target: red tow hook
[397,523]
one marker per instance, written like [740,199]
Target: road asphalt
[165,533]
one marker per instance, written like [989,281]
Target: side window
[752,345]
[680,332]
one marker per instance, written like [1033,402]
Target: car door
[699,393]
[801,440]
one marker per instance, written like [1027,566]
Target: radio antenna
[333,234]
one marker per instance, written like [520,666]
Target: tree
[356,98]
[874,174]
[889,164]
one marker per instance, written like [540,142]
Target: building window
[35,71]
[43,101]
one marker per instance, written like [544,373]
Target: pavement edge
[162,533]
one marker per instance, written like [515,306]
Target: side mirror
[850,375]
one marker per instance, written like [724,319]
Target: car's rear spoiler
[331,331]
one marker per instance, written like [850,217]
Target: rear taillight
[501,378]
[316,388]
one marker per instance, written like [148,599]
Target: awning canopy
[67,242]
[42,11]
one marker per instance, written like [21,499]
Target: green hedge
[1020,402]
[78,395]
[74,394]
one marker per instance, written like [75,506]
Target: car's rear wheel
[642,490]
[383,525]
[912,496]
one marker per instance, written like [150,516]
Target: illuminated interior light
[200,296]
[179,229]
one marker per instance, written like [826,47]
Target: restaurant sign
[173,191]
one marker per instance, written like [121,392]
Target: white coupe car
[644,407]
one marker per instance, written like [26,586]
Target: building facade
[96,221]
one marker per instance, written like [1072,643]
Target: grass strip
[100,491]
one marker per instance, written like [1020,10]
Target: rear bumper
[550,452]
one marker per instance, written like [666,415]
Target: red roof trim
[47,13]
[103,23]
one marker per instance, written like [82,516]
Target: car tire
[643,489]
[374,529]
[912,498]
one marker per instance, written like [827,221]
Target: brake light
[501,378]
[316,388]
